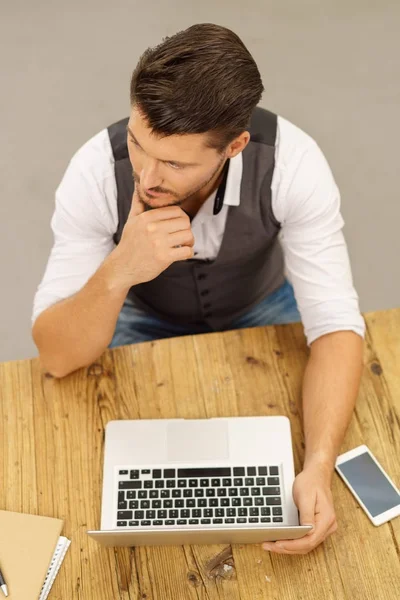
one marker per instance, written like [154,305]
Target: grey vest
[249,264]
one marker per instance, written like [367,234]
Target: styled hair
[200,80]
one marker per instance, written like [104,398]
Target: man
[237,195]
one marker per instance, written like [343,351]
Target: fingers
[166,212]
[310,541]
[322,529]
[169,225]
[332,530]
[182,253]
[174,232]
[158,216]
[301,546]
[137,206]
[324,525]
[307,546]
[181,238]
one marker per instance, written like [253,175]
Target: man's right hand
[151,241]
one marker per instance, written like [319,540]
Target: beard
[178,200]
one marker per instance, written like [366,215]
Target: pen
[3,585]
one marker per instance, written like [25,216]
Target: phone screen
[369,483]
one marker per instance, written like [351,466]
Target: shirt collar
[232,190]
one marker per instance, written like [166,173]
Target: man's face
[178,166]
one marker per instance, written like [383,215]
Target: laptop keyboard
[199,496]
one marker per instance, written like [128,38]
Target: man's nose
[150,177]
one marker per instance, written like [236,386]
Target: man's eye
[173,165]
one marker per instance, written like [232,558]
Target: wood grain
[52,433]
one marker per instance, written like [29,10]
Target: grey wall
[331,67]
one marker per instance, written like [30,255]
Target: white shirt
[305,201]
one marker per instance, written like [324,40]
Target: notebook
[58,557]
[31,553]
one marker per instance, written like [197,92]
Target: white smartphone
[369,484]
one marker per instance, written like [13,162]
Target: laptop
[198,481]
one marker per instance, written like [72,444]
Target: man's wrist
[322,463]
[110,274]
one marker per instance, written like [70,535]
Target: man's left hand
[313,497]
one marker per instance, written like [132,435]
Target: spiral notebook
[31,554]
[58,557]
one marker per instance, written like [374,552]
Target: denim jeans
[135,325]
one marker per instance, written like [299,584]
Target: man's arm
[330,388]
[83,224]
[74,332]
[306,202]
[308,206]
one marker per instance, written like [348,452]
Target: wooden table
[51,436]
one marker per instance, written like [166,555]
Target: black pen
[3,585]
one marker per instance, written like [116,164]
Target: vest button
[207,305]
[204,292]
[207,315]
[201,276]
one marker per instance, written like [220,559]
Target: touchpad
[196,440]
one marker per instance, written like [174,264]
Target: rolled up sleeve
[315,251]
[83,224]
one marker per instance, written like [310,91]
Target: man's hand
[151,241]
[313,497]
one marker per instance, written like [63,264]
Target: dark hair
[202,79]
